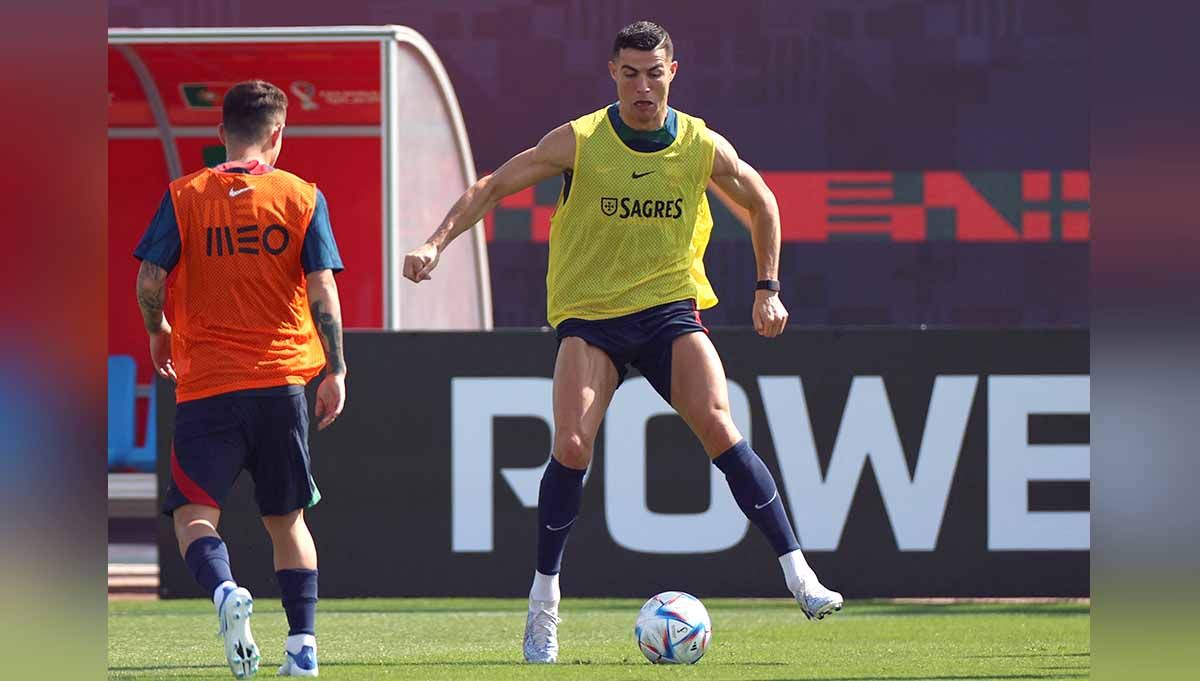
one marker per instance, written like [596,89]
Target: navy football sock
[559,498]
[755,492]
[298,589]
[208,559]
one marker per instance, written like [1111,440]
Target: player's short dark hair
[251,109]
[646,36]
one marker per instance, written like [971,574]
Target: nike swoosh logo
[637,175]
[759,507]
[235,192]
[556,529]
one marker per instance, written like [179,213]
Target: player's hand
[160,352]
[770,316]
[420,262]
[331,398]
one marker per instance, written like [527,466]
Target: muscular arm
[327,317]
[552,155]
[746,187]
[151,295]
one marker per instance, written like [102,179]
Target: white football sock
[796,571]
[297,641]
[545,588]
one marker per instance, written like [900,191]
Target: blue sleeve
[320,251]
[160,244]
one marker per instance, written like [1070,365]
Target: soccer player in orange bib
[624,287]
[255,317]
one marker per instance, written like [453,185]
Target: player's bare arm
[151,295]
[552,155]
[745,186]
[327,318]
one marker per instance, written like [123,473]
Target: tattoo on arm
[151,293]
[329,328]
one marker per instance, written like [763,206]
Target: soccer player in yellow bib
[625,283]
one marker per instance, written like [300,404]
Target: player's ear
[612,69]
[276,134]
[674,67]
[274,145]
[221,134]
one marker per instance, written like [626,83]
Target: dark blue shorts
[642,339]
[262,431]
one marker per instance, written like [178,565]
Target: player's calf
[299,595]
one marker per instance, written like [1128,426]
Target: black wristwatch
[767,285]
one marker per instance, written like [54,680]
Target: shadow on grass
[1083,654]
[450,610]
[853,608]
[445,663]
[849,613]
[165,667]
[953,610]
[966,677]
[520,663]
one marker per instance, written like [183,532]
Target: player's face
[643,80]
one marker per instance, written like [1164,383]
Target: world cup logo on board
[608,205]
[305,92]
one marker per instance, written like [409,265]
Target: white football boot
[240,650]
[303,663]
[541,632]
[816,601]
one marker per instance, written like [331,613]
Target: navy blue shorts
[262,431]
[642,339]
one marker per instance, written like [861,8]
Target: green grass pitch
[480,639]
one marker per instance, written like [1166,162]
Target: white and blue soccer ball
[673,628]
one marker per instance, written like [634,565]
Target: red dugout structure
[373,120]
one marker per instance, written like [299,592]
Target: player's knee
[286,524]
[716,429]
[574,450]
[193,522]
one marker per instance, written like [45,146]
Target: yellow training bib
[631,231]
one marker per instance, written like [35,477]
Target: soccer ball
[673,628]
